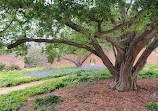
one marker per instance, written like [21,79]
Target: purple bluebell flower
[153,96]
[45,73]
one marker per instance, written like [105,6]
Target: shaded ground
[6,90]
[96,96]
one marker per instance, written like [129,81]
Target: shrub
[2,66]
[12,67]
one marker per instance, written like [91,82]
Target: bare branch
[123,24]
[20,41]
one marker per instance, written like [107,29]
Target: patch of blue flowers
[84,69]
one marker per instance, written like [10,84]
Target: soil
[96,96]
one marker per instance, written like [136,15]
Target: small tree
[62,52]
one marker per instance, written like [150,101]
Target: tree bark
[125,80]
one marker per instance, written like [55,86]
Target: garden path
[6,90]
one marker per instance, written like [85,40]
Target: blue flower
[153,96]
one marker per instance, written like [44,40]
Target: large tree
[129,25]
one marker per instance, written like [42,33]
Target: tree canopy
[129,25]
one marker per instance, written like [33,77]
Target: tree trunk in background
[78,61]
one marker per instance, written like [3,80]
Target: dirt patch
[96,96]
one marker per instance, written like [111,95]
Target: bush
[12,67]
[2,66]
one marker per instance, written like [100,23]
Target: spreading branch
[141,40]
[20,41]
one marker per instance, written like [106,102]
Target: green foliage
[152,106]
[148,74]
[39,19]
[152,66]
[86,106]
[46,101]
[102,92]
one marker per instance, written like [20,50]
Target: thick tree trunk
[126,81]
[126,78]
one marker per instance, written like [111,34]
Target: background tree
[128,26]
[65,52]
[35,58]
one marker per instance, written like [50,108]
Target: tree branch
[141,36]
[113,42]
[20,41]
[146,54]
[68,59]
[74,26]
[85,58]
[123,24]
[104,57]
[140,41]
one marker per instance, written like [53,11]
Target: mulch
[96,96]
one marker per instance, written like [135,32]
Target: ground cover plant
[13,78]
[151,66]
[15,99]
[47,102]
